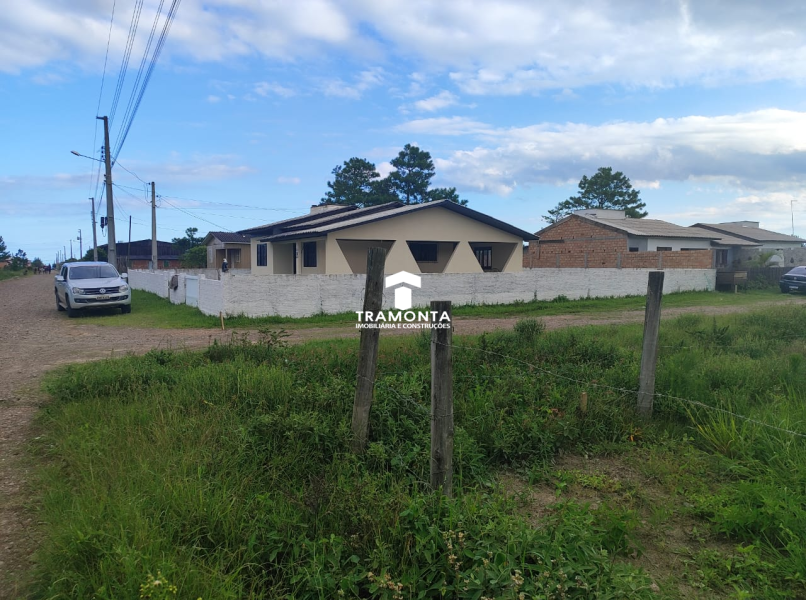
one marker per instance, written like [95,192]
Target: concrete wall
[156,283]
[301,296]
[296,296]
[211,298]
[793,257]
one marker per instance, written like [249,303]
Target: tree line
[17,261]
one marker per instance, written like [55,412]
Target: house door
[192,291]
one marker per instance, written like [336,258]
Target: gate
[192,290]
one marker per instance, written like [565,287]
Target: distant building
[742,241]
[235,247]
[608,239]
[139,256]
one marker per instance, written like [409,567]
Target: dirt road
[35,338]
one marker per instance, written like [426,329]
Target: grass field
[6,274]
[149,310]
[227,473]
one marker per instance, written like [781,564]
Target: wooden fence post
[442,400]
[368,349]
[649,353]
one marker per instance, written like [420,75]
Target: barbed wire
[624,390]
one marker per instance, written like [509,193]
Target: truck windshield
[93,272]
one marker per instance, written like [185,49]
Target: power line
[100,96]
[231,204]
[124,66]
[194,216]
[125,191]
[140,70]
[131,173]
[155,56]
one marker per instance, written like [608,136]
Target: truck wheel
[71,312]
[125,309]
[59,307]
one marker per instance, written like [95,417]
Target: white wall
[156,283]
[210,296]
[301,296]
[297,296]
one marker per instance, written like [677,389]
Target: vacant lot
[35,338]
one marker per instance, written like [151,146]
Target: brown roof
[753,234]
[229,237]
[729,240]
[323,226]
[644,228]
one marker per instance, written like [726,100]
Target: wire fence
[586,384]
[595,384]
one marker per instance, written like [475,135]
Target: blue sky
[254,102]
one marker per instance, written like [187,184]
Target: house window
[721,258]
[664,248]
[309,254]
[262,255]
[424,251]
[236,256]
[484,255]
[633,248]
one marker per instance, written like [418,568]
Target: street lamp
[85,156]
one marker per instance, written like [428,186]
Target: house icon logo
[402,293]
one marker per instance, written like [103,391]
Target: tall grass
[229,472]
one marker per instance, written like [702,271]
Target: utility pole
[80,245]
[129,245]
[112,254]
[792,211]
[94,237]
[71,248]
[153,228]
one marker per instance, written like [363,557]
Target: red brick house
[608,239]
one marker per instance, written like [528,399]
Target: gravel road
[35,338]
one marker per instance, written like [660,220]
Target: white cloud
[289,180]
[447,126]
[265,88]
[213,99]
[442,100]
[489,46]
[384,168]
[774,211]
[365,80]
[179,169]
[762,150]
[566,95]
[642,184]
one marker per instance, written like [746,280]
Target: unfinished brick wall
[578,243]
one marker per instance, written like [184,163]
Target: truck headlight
[77,290]
[124,288]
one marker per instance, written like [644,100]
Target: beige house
[235,247]
[435,237]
